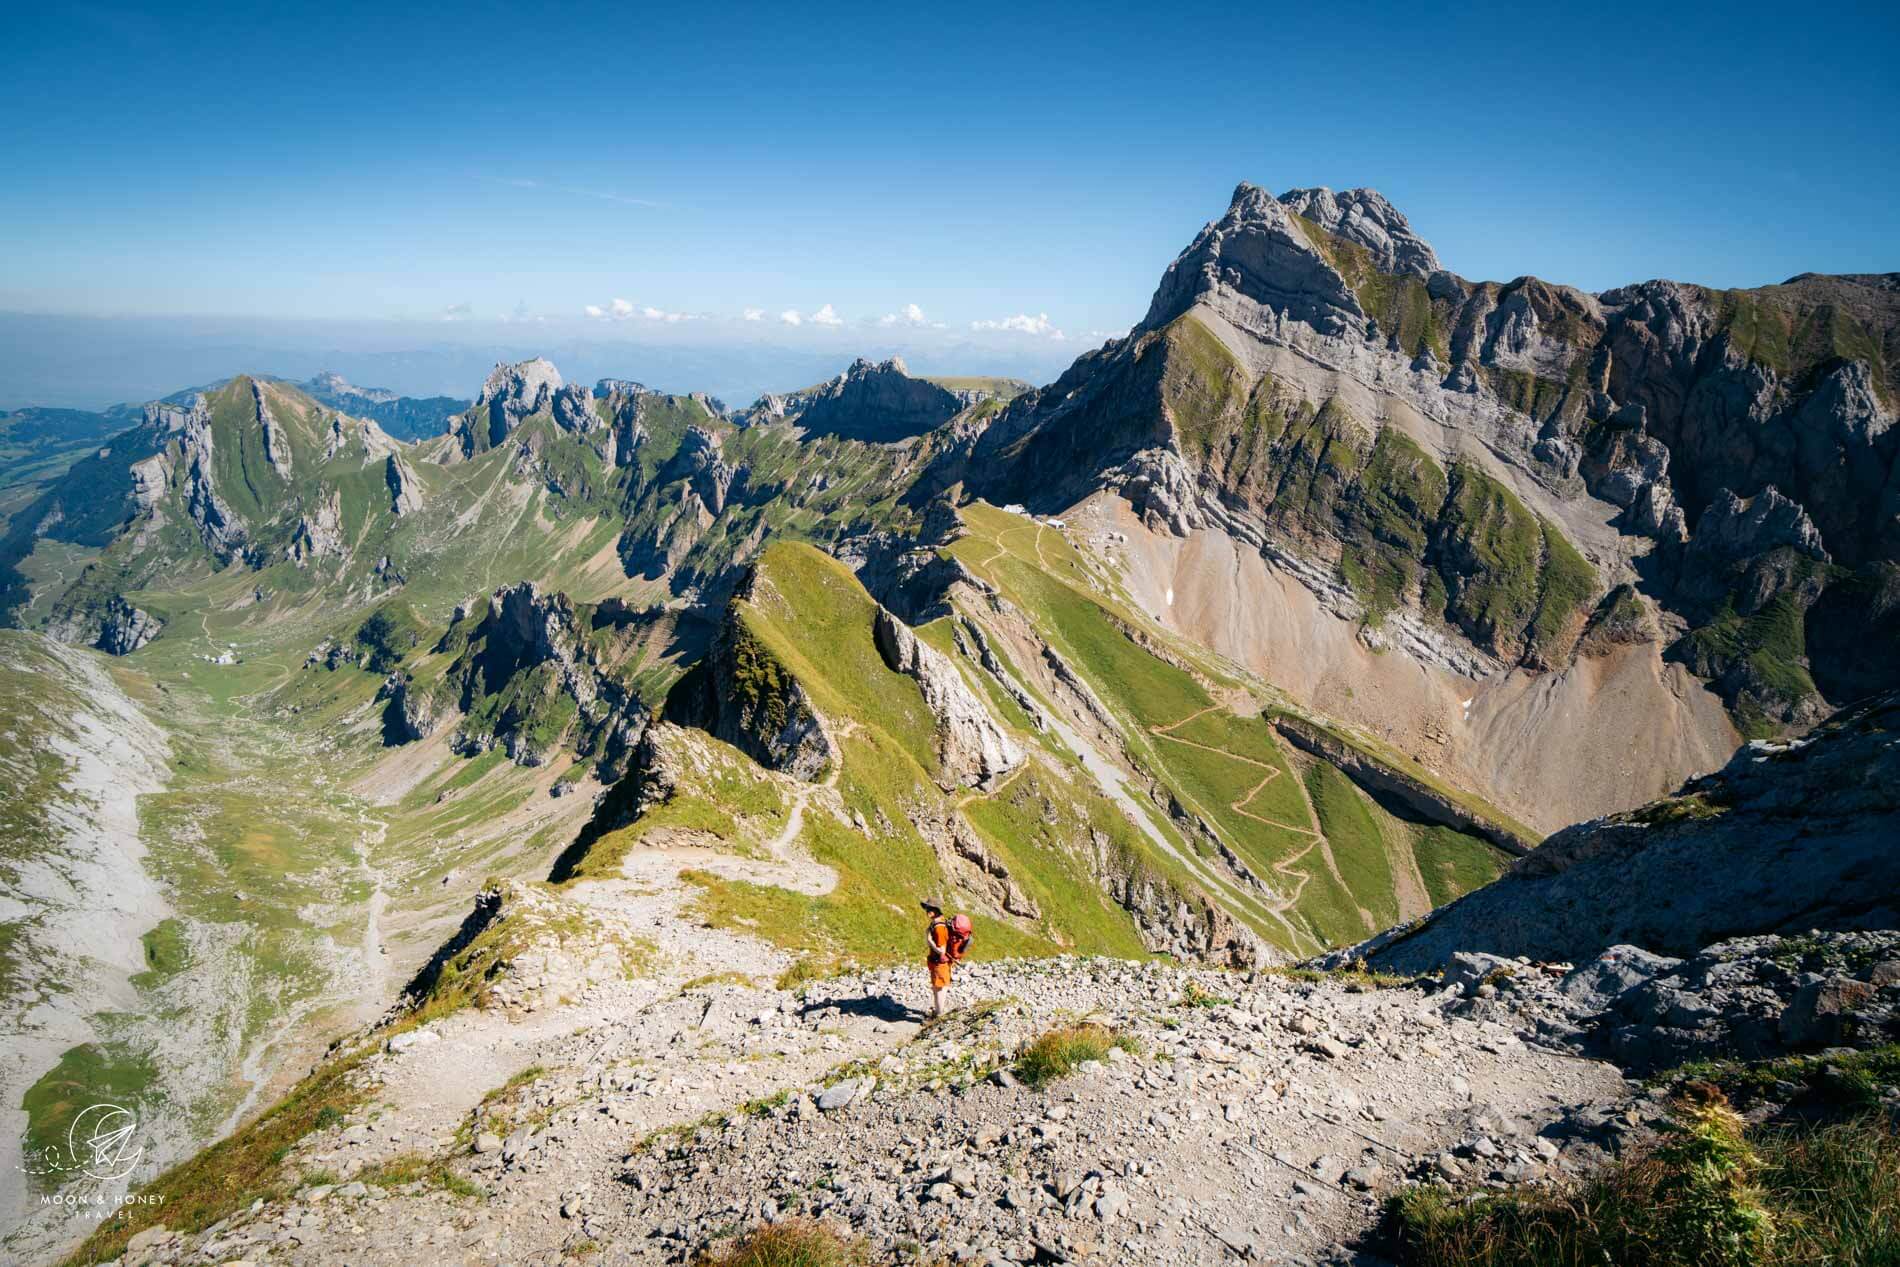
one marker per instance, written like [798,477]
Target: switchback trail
[1311,831]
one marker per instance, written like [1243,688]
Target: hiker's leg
[937,994]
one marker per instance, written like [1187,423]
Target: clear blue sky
[481,161]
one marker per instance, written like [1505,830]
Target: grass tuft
[792,1243]
[1059,1052]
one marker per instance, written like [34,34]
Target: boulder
[1821,1014]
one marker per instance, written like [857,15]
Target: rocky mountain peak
[331,383]
[875,401]
[1257,266]
[1741,527]
[1365,217]
[528,383]
[623,386]
[514,393]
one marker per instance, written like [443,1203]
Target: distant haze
[92,362]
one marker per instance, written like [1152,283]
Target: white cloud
[1022,323]
[912,315]
[826,317]
[457,312]
[791,317]
[754,314]
[624,310]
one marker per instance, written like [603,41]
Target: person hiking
[945,942]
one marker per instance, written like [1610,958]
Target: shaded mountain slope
[1785,838]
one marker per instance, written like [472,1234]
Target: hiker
[945,942]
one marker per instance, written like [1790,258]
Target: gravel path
[1264,1126]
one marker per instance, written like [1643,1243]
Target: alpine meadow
[1358,766]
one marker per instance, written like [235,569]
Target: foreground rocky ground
[1247,1118]
[1256,1118]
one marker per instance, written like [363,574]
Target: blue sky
[479,162]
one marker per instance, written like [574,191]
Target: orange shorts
[940,975]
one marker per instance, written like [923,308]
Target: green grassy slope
[1322,846]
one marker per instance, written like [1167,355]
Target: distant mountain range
[1300,611]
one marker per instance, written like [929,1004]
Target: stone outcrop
[124,628]
[405,488]
[973,751]
[875,401]
[276,442]
[743,694]
[1752,998]
[1383,780]
[533,673]
[411,714]
[320,535]
[974,869]
[1363,216]
[219,527]
[513,394]
[1785,838]
[1257,261]
[1187,925]
[519,950]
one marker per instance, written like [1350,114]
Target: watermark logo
[99,1144]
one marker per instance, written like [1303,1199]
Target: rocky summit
[1414,750]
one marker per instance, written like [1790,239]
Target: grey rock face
[574,409]
[700,463]
[747,698]
[1365,217]
[1258,255]
[1749,998]
[222,532]
[512,394]
[874,401]
[276,443]
[405,488]
[1734,528]
[1614,973]
[125,628]
[150,479]
[320,535]
[535,651]
[973,750]
[413,714]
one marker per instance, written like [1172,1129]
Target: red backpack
[961,933]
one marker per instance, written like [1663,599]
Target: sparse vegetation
[790,1243]
[1059,1052]
[1712,1194]
[806,969]
[234,1171]
[1193,994]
